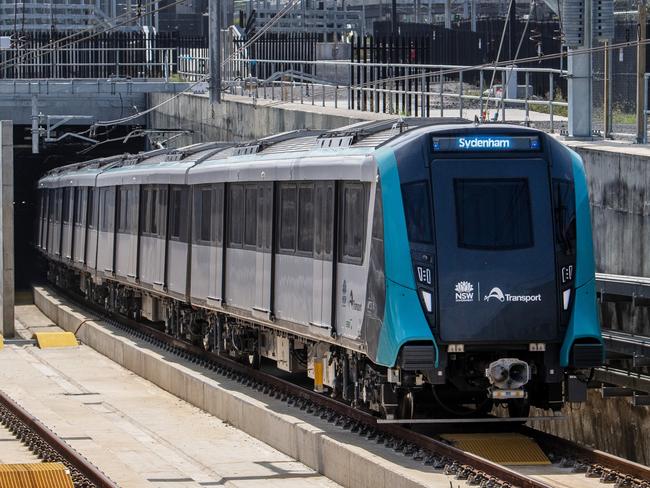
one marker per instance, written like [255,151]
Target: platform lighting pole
[640,75]
[214,23]
[7,228]
[393,18]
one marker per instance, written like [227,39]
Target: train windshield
[495,249]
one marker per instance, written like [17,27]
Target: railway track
[422,447]
[48,447]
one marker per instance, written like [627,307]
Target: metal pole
[35,117]
[606,88]
[579,83]
[645,109]
[447,14]
[393,17]
[473,14]
[214,23]
[7,292]
[640,74]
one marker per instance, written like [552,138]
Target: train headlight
[426,298]
[508,373]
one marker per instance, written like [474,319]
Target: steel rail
[279,385]
[76,460]
[622,466]
[598,459]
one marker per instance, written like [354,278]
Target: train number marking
[567,273]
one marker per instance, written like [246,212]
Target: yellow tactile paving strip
[501,448]
[37,475]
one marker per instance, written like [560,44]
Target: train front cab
[497,228]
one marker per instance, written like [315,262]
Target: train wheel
[406,409]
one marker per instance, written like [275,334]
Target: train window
[288,216]
[51,198]
[353,223]
[323,222]
[66,205]
[80,205]
[564,203]
[250,215]
[92,213]
[107,208]
[205,227]
[236,215]
[306,218]
[127,209]
[178,211]
[264,216]
[417,209]
[153,210]
[59,200]
[493,213]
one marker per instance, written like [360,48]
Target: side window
[352,223]
[264,215]
[417,209]
[205,229]
[288,218]
[250,215]
[306,219]
[127,209]
[178,207]
[107,209]
[59,204]
[92,213]
[208,214]
[66,205]
[323,219]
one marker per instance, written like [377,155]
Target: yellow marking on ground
[501,448]
[2,342]
[37,475]
[55,339]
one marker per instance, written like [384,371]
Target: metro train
[411,267]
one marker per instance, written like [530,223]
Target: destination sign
[471,143]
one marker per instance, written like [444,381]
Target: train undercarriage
[392,393]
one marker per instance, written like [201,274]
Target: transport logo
[464,291]
[495,293]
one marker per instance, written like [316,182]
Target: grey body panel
[152,261]
[105,247]
[206,272]
[91,248]
[126,252]
[241,283]
[66,241]
[177,272]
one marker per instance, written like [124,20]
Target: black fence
[114,54]
[285,48]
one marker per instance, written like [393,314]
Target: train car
[410,267]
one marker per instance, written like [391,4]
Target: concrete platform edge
[347,465]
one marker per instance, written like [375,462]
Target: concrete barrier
[340,455]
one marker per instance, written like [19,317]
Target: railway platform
[138,434]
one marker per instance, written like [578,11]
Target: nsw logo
[495,293]
[464,291]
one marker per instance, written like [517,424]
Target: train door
[153,235]
[263,257]
[323,264]
[106,235]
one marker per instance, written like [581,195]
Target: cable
[503,36]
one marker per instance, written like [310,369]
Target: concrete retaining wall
[338,454]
